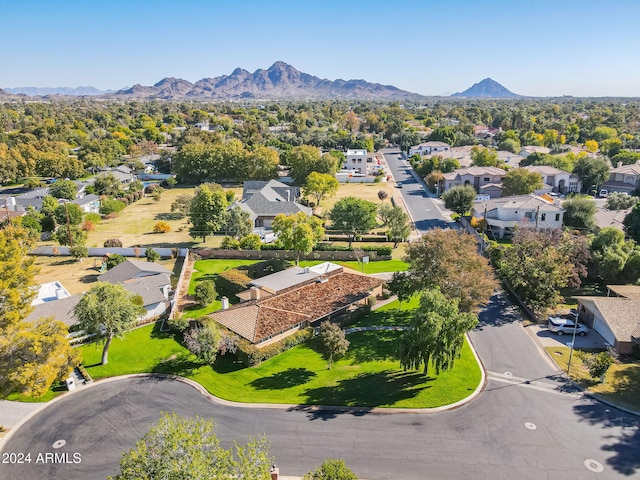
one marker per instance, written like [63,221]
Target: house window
[557,217]
[543,217]
[486,179]
[528,215]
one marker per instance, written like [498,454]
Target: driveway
[546,338]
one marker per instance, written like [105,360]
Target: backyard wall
[284,255]
[101,251]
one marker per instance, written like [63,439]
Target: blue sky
[539,48]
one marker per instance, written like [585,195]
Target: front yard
[621,385]
[368,375]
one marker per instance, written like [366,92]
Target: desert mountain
[43,91]
[278,81]
[487,88]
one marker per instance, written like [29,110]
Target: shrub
[267,267]
[109,206]
[113,260]
[231,282]
[203,342]
[151,255]
[92,217]
[113,243]
[205,292]
[250,242]
[250,355]
[331,469]
[79,251]
[170,182]
[230,243]
[161,227]
[88,226]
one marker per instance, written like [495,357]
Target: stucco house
[624,179]
[357,159]
[278,305]
[559,180]
[477,177]
[263,200]
[616,319]
[503,214]
[429,148]
[88,203]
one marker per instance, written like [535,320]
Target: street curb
[272,406]
[586,393]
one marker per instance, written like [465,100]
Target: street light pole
[573,341]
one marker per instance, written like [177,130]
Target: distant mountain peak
[487,88]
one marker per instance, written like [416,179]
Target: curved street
[512,430]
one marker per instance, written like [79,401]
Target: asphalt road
[509,432]
[424,211]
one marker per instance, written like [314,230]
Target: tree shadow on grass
[286,379]
[367,390]
[372,346]
[169,216]
[227,364]
[156,332]
[180,365]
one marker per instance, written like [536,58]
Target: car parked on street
[561,326]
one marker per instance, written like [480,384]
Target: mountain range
[487,88]
[280,81]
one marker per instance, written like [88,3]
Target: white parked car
[563,326]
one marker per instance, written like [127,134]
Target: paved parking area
[550,339]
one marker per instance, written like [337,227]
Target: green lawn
[369,268]
[621,384]
[367,376]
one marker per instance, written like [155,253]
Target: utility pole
[537,215]
[66,209]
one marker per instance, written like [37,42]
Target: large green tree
[207,210]
[238,223]
[305,159]
[459,199]
[187,448]
[484,157]
[298,232]
[401,285]
[632,223]
[354,216]
[63,189]
[436,334]
[109,311]
[449,259]
[535,269]
[593,172]
[579,213]
[107,184]
[520,181]
[396,221]
[320,185]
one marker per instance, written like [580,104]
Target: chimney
[306,269]
[288,195]
[255,293]
[225,303]
[619,164]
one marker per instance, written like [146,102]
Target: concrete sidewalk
[12,412]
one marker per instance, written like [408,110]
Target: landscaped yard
[621,385]
[369,375]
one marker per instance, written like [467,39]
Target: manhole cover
[530,426]
[59,443]
[593,465]
[508,374]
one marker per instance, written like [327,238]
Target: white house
[503,214]
[559,180]
[357,160]
[88,203]
[429,148]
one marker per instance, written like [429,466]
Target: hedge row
[231,282]
[250,355]
[381,250]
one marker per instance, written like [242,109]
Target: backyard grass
[368,375]
[365,191]
[621,385]
[369,268]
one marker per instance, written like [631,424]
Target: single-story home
[279,306]
[429,148]
[616,319]
[264,200]
[88,203]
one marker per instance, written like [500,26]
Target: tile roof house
[503,214]
[624,179]
[616,319]
[267,318]
[477,177]
[263,200]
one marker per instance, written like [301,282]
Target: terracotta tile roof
[259,319]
